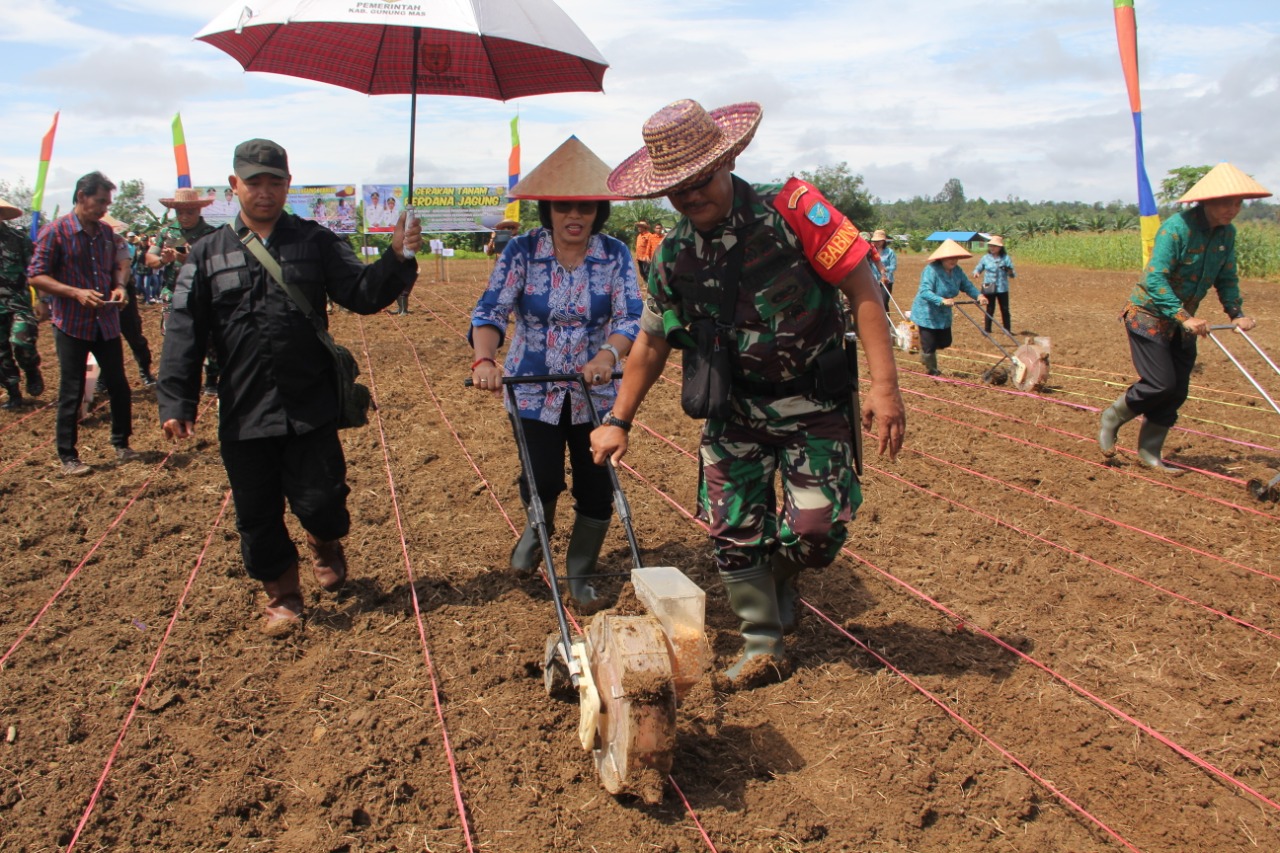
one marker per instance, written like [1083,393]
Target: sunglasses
[586,208]
[693,188]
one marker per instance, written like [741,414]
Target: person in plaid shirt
[75,263]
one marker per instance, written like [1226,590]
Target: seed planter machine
[1262,489]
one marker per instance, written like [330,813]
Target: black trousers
[1001,299]
[592,491]
[73,354]
[932,340]
[1164,371]
[309,471]
[887,287]
[131,331]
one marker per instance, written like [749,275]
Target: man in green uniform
[1195,250]
[169,252]
[17,320]
[791,407]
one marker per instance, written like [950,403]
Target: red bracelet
[482,361]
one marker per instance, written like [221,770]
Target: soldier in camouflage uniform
[793,409]
[17,320]
[169,253]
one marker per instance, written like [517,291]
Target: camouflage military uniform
[786,318]
[173,236]
[17,320]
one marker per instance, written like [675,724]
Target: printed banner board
[443,208]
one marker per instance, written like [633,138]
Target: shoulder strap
[729,284]
[272,266]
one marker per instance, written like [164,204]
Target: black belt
[789,388]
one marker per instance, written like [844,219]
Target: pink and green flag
[180,152]
[513,170]
[37,198]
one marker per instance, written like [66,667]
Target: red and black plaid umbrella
[498,49]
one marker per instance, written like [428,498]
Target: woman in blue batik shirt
[941,281]
[572,293]
[996,269]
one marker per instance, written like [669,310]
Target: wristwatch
[617,356]
[613,420]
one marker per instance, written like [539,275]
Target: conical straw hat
[950,249]
[111,222]
[1224,181]
[8,211]
[570,173]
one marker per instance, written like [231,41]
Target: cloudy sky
[1018,99]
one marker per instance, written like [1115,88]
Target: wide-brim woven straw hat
[570,173]
[879,234]
[950,249]
[996,240]
[507,223]
[682,143]
[1224,181]
[8,211]
[186,198]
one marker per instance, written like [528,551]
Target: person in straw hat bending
[790,255]
[887,270]
[1195,249]
[572,291]
[941,281]
[17,318]
[170,250]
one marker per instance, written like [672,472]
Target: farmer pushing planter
[1195,250]
[756,276]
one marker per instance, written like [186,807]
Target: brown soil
[959,687]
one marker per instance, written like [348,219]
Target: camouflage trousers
[738,498]
[17,336]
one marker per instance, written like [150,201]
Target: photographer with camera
[170,252]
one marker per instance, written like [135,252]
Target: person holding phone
[75,263]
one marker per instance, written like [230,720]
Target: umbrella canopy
[497,49]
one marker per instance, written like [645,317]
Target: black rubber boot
[527,554]
[1113,417]
[753,595]
[1150,443]
[930,362]
[15,396]
[585,543]
[35,382]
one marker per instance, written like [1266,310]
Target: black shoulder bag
[354,398]
[708,367]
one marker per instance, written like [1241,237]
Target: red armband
[830,241]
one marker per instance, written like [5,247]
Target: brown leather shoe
[284,604]
[329,563]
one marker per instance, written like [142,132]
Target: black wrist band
[614,421]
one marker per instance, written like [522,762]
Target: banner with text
[332,205]
[225,205]
[442,208]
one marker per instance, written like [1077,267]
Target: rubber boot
[1150,443]
[402,302]
[930,362]
[15,396]
[585,543]
[1113,417]
[35,382]
[753,595]
[527,554]
[785,574]
[328,562]
[284,603]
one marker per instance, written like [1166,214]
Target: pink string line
[688,807]
[15,463]
[1056,502]
[455,780]
[96,545]
[146,680]
[1162,483]
[962,624]
[28,415]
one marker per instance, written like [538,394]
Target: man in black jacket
[278,405]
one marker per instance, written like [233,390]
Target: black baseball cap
[260,157]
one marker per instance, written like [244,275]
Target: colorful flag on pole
[1127,37]
[180,152]
[513,170]
[37,198]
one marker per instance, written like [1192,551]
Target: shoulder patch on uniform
[793,201]
[819,214]
[839,243]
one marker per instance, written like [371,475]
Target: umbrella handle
[410,218]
